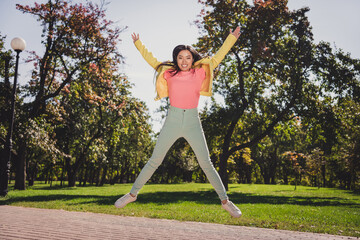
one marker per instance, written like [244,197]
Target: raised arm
[148,56]
[225,48]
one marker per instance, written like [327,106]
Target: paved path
[33,223]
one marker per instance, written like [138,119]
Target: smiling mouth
[184,66]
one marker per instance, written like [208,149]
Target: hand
[236,32]
[135,37]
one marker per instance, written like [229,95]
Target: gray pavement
[33,223]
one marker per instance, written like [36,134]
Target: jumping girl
[183,80]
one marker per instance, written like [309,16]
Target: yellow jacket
[208,64]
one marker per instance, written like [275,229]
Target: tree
[335,82]
[88,108]
[264,75]
[74,37]
[297,161]
[131,145]
[5,96]
[41,146]
[314,165]
[345,160]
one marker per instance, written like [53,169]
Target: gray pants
[181,123]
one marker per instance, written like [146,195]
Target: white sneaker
[232,209]
[124,200]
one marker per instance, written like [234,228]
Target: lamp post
[18,44]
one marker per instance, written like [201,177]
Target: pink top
[184,87]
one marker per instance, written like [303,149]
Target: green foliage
[275,74]
[262,79]
[345,157]
[81,121]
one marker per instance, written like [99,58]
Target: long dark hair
[196,57]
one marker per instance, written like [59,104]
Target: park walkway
[32,223]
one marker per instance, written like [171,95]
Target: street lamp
[18,44]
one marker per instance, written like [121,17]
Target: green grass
[324,210]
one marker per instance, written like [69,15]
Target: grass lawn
[324,210]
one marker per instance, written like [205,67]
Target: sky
[163,24]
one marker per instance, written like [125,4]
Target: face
[184,60]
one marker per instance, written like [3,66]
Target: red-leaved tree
[77,39]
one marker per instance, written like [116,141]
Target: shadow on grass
[293,200]
[69,199]
[200,197]
[56,187]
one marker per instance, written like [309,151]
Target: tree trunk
[62,174]
[323,173]
[103,178]
[115,178]
[121,177]
[97,176]
[4,173]
[86,171]
[20,176]
[73,169]
[285,177]
[264,170]
[223,170]
[266,178]
[92,174]
[248,173]
[31,173]
[71,174]
[71,179]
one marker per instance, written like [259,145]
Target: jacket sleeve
[148,56]
[225,48]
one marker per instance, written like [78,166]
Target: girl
[183,80]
